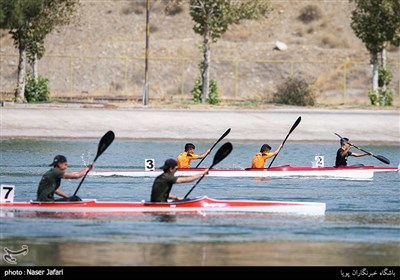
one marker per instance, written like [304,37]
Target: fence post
[344,81]
[291,69]
[70,75]
[126,76]
[236,78]
[183,77]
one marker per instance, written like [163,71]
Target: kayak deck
[349,172]
[203,204]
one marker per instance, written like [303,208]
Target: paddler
[261,157]
[344,152]
[186,157]
[51,180]
[161,190]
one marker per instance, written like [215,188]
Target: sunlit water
[361,214]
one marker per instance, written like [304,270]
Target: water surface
[361,225]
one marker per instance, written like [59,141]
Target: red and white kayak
[347,172]
[201,204]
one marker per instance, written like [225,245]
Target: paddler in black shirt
[344,152]
[162,185]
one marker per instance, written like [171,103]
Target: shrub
[196,91]
[385,76]
[36,91]
[213,93]
[381,97]
[173,10]
[296,92]
[310,13]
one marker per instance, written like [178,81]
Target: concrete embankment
[317,125]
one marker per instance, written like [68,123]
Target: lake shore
[74,121]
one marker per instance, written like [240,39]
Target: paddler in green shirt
[162,185]
[51,180]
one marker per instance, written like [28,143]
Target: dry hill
[104,54]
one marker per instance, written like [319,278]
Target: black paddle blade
[295,124]
[341,138]
[223,135]
[220,138]
[382,158]
[105,141]
[222,153]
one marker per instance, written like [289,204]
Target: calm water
[361,225]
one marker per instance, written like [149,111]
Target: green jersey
[49,183]
[162,187]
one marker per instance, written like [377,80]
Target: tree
[212,19]
[29,22]
[1,15]
[17,17]
[377,23]
[55,13]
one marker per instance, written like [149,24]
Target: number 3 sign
[149,165]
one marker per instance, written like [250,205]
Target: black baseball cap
[58,159]
[169,163]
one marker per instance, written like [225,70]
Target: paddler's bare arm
[77,175]
[187,179]
[61,193]
[203,155]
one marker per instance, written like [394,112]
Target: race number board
[7,193]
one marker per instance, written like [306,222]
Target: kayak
[346,172]
[200,204]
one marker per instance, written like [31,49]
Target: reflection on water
[166,218]
[290,253]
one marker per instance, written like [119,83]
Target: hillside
[103,56]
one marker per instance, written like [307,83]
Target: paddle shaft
[201,178]
[105,141]
[222,153]
[198,181]
[283,143]
[77,189]
[222,137]
[378,157]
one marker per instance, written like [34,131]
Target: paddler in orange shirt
[265,153]
[186,157]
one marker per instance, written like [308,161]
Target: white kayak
[348,172]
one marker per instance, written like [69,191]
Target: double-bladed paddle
[220,138]
[296,123]
[222,153]
[105,141]
[381,158]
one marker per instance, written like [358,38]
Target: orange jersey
[259,159]
[184,159]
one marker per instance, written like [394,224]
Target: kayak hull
[357,173]
[201,204]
